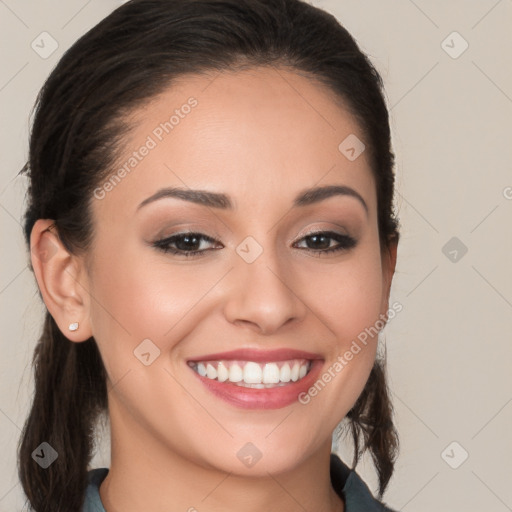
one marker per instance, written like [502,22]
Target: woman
[211,229]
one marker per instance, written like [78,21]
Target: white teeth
[201,369]
[285,373]
[222,372]
[211,372]
[252,374]
[271,373]
[294,374]
[235,373]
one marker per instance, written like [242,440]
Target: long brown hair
[126,59]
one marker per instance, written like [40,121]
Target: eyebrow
[219,200]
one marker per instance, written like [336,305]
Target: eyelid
[338,229]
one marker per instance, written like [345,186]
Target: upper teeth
[252,373]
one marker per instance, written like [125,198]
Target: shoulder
[92,502]
[349,485]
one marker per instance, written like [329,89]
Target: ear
[389,255]
[60,275]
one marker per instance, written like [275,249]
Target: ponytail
[70,391]
[371,418]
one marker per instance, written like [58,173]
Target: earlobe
[58,274]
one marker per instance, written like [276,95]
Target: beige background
[450,349]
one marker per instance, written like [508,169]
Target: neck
[146,475]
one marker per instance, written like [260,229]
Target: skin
[260,136]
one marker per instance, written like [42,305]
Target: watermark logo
[44,250]
[45,455]
[44,45]
[454,45]
[249,455]
[454,250]
[351,147]
[249,249]
[454,455]
[146,352]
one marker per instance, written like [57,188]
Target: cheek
[134,301]
[347,299]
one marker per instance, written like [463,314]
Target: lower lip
[269,398]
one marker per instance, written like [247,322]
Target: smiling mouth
[252,374]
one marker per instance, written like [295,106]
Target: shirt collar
[352,489]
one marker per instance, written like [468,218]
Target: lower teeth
[260,386]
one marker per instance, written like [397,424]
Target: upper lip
[282,354]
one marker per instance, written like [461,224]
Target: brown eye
[321,242]
[185,244]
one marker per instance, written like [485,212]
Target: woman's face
[258,299]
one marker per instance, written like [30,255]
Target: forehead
[260,134]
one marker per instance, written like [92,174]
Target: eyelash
[345,242]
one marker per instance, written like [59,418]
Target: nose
[261,296]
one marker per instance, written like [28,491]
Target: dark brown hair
[77,133]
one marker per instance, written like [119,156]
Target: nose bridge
[261,294]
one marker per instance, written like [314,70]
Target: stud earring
[73,326]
